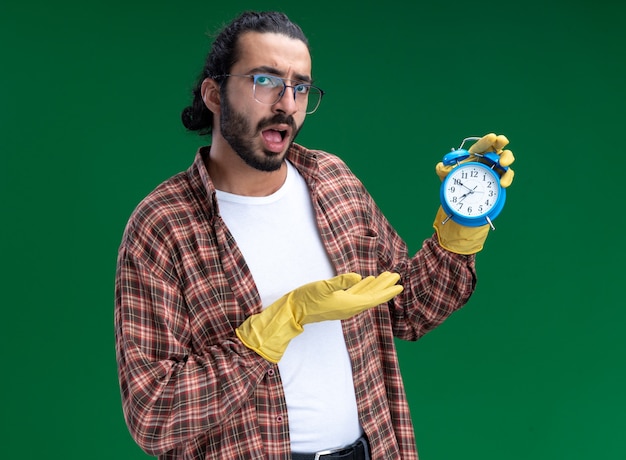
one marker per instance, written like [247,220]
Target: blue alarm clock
[471,194]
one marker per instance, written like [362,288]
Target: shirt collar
[303,159]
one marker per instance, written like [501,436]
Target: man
[259,292]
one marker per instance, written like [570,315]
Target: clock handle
[460,154]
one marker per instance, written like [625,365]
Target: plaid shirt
[190,388]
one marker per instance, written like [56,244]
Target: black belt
[357,451]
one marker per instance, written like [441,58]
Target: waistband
[359,450]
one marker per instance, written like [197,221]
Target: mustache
[279,118]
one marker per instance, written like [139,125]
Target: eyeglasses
[269,89]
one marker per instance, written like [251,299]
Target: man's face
[262,133]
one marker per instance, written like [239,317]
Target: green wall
[532,368]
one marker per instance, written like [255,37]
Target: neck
[229,173]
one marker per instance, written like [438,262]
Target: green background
[533,367]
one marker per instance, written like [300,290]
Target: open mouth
[274,140]
[275,134]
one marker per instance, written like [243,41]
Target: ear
[210,91]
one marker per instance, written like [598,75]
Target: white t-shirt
[280,242]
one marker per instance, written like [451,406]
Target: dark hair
[225,53]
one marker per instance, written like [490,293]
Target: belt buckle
[318,455]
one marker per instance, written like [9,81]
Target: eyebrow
[274,71]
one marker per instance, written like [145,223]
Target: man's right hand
[268,333]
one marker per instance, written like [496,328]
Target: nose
[287,102]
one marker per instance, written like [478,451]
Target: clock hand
[471,190]
[463,185]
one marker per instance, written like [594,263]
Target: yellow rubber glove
[268,333]
[470,240]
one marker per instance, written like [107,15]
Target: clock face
[471,190]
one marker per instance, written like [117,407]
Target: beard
[236,130]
